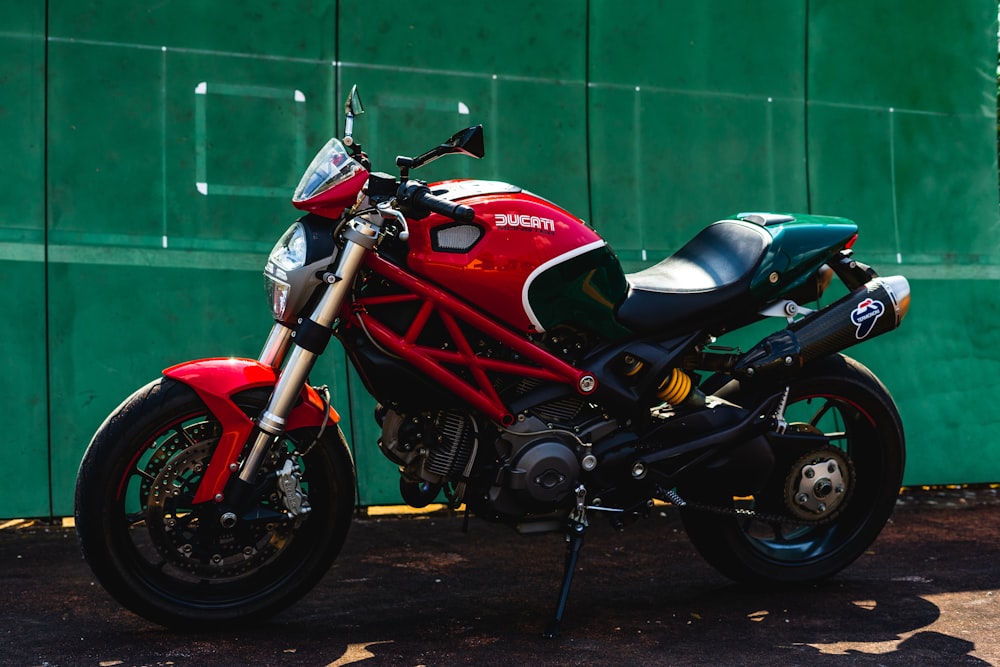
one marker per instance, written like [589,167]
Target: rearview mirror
[468,142]
[352,108]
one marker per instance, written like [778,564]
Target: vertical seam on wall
[336,66]
[45,255]
[586,112]
[805,109]
[163,145]
[345,374]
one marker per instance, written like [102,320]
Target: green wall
[151,150]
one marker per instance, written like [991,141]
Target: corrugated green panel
[408,113]
[115,327]
[239,135]
[378,477]
[696,111]
[902,139]
[298,28]
[656,183]
[23,386]
[192,144]
[885,149]
[850,170]
[945,173]
[538,140]
[941,366]
[516,67]
[927,55]
[711,46]
[515,37]
[204,149]
[535,129]
[22,112]
[105,141]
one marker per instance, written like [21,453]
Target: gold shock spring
[675,388]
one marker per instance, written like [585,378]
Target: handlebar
[417,199]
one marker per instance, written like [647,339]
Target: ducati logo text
[866,315]
[527,222]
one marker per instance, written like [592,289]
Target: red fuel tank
[523,259]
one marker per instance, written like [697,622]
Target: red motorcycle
[519,373]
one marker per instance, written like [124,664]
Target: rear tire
[845,401]
[170,560]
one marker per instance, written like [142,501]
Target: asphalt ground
[420,591]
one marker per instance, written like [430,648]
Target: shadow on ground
[419,591]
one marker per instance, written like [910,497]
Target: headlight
[295,266]
[289,252]
[277,296]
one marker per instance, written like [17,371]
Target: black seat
[706,279]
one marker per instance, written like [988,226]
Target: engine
[432,448]
[539,470]
[532,468]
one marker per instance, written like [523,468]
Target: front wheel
[182,564]
[825,503]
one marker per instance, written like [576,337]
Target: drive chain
[674,498]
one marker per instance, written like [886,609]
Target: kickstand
[576,528]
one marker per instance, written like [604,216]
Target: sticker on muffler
[865,316]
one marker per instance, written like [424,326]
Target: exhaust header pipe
[869,311]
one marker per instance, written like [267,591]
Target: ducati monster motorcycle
[519,373]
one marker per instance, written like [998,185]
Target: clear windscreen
[331,166]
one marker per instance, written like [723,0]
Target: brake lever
[387,212]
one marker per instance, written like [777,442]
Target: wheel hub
[818,483]
[200,540]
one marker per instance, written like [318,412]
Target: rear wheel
[826,501]
[186,565]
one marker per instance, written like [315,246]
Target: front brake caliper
[290,489]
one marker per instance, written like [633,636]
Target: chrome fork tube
[361,236]
[276,346]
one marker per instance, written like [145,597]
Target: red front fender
[216,381]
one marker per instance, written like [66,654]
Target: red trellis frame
[431,360]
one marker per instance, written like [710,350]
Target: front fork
[310,339]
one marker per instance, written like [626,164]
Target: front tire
[174,562]
[842,401]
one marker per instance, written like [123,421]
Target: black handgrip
[415,197]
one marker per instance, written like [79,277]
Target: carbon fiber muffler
[869,311]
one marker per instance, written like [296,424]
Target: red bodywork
[332,203]
[523,235]
[216,381]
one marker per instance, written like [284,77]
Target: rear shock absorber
[677,388]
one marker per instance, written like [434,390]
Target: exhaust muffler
[873,309]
